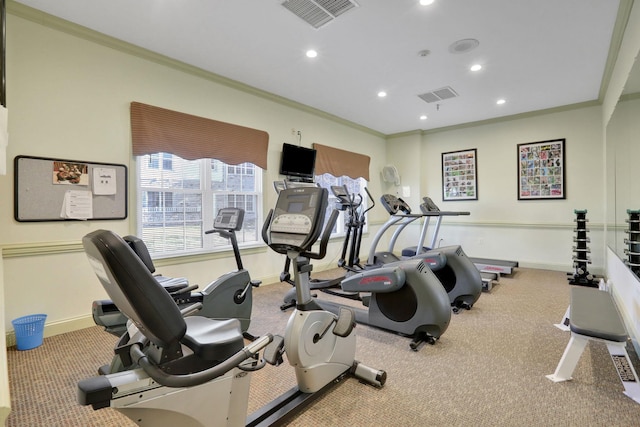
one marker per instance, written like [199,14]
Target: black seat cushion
[214,340]
[133,289]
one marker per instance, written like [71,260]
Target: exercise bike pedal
[345,323]
[274,351]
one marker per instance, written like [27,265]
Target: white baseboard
[558,267]
[74,324]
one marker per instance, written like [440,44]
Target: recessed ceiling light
[311,53]
[500,101]
[426,2]
[476,67]
[382,94]
[423,117]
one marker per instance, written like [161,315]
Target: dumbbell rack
[633,241]
[581,258]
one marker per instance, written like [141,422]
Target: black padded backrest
[133,289]
[141,250]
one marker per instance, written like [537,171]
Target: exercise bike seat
[213,340]
[153,311]
[171,284]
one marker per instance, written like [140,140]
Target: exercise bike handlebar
[231,236]
[190,380]
[324,238]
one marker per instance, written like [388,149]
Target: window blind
[339,162]
[158,130]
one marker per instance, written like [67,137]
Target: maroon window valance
[158,130]
[339,162]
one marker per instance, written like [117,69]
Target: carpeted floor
[488,369]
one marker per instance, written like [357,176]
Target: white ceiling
[535,54]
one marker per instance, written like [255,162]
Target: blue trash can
[29,331]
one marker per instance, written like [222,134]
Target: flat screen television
[298,162]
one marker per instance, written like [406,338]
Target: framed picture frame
[460,175]
[541,170]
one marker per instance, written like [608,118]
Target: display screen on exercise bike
[229,219]
[297,217]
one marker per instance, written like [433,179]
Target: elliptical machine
[459,276]
[195,371]
[405,297]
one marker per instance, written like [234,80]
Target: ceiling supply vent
[439,94]
[319,12]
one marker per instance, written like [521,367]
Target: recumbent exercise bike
[181,365]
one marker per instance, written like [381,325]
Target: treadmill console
[229,219]
[428,205]
[297,218]
[393,204]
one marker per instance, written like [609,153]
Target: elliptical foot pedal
[274,351]
[420,339]
[345,323]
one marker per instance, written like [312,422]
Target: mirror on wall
[623,158]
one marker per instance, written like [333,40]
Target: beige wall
[69,98]
[536,233]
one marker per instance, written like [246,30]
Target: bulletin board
[47,189]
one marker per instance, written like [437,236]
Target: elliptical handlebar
[373,202]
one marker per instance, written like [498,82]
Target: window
[354,186]
[154,161]
[178,200]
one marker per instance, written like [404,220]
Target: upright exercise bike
[195,371]
[289,300]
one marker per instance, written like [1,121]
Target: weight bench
[594,317]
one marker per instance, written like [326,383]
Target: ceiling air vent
[319,12]
[439,94]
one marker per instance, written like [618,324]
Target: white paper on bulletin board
[77,204]
[104,181]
